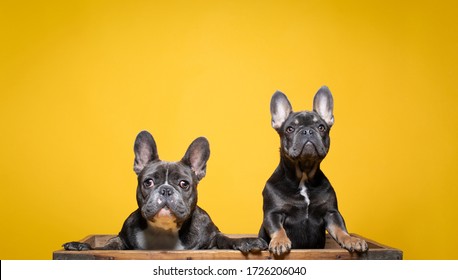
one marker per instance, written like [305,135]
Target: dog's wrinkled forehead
[163,171]
[303,118]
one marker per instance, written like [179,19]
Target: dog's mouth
[307,149]
[160,211]
[313,149]
[165,212]
[308,146]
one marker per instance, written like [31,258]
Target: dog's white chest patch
[147,240]
[144,239]
[303,192]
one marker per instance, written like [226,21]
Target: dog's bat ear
[323,104]
[197,156]
[280,108]
[145,151]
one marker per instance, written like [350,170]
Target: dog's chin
[164,219]
[313,152]
[164,213]
[309,149]
[307,153]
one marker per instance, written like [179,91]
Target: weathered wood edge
[376,251]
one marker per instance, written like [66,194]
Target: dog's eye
[321,128]
[289,129]
[148,183]
[184,184]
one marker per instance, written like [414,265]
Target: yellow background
[79,80]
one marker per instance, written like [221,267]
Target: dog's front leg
[335,225]
[279,244]
[245,245]
[114,243]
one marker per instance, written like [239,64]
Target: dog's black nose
[166,191]
[307,131]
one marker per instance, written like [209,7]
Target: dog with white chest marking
[299,203]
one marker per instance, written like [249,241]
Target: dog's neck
[304,171]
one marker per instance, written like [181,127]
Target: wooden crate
[332,251]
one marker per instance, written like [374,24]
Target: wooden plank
[332,251]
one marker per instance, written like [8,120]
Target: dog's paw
[258,244]
[354,244]
[280,245]
[76,246]
[253,245]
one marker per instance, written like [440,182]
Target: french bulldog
[299,203]
[168,217]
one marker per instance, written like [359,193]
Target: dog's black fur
[299,202]
[168,217]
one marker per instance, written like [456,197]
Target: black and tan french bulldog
[168,217]
[299,202]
